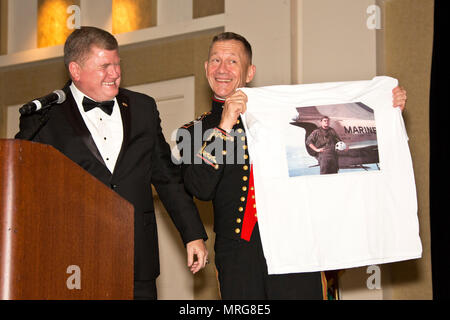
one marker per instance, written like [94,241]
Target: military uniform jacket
[216,166]
[144,159]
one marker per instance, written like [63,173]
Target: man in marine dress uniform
[218,168]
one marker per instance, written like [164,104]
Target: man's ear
[250,73]
[75,70]
[206,68]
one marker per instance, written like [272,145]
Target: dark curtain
[439,138]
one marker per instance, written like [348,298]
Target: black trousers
[145,290]
[329,162]
[243,274]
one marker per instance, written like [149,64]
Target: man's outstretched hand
[196,248]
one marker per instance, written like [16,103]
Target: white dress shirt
[106,130]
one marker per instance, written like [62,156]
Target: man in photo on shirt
[323,141]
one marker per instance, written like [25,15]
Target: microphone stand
[43,119]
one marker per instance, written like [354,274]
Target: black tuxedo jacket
[144,159]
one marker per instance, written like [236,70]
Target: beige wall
[334,43]
[266,25]
[22,33]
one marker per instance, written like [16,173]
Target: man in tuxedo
[115,134]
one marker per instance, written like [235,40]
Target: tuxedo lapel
[76,120]
[124,107]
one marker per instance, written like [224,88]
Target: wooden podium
[63,233]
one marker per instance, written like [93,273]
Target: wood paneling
[57,217]
[204,8]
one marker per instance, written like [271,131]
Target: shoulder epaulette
[190,124]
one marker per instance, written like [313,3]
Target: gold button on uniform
[241,209]
[237,230]
[242,199]
[244,178]
[244,188]
[238,220]
[245,167]
[239,130]
[245,156]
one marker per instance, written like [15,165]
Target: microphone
[57,96]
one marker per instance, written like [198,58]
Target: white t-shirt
[367,212]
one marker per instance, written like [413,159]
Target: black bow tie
[106,106]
